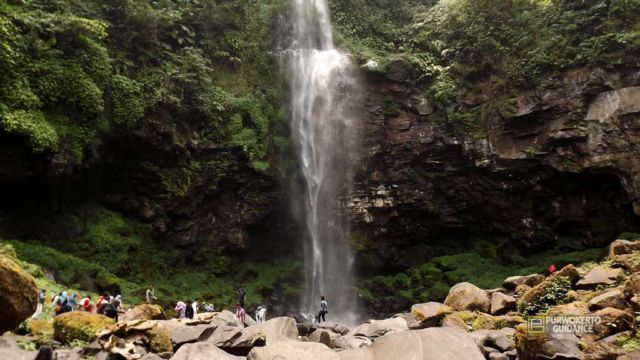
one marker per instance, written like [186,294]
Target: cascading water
[325,96]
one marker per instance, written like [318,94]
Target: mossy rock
[484,322]
[461,319]
[18,294]
[145,312]
[160,340]
[40,328]
[507,321]
[529,345]
[540,295]
[79,325]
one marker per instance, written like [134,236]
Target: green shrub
[33,125]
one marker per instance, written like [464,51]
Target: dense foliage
[71,70]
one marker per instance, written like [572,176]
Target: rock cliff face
[558,161]
[195,192]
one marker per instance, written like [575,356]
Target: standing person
[72,301]
[150,294]
[552,269]
[112,309]
[194,306]
[54,301]
[42,295]
[240,314]
[63,304]
[261,314]
[102,302]
[242,295]
[188,311]
[323,310]
[180,309]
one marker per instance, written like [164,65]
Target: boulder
[160,340]
[430,314]
[466,296]
[489,338]
[293,350]
[612,322]
[380,328]
[412,322]
[79,325]
[511,283]
[622,247]
[336,328]
[570,272]
[497,356]
[502,303]
[547,346]
[190,334]
[276,329]
[628,262]
[224,317]
[634,355]
[325,337]
[576,308]
[144,312]
[427,344]
[236,340]
[348,342]
[9,349]
[612,299]
[454,320]
[484,321]
[632,286]
[18,295]
[600,276]
[202,351]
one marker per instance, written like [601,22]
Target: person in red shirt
[85,304]
[552,269]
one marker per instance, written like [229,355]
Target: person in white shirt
[194,305]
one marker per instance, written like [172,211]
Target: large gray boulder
[511,283]
[428,344]
[276,329]
[613,299]
[466,296]
[9,349]
[348,342]
[203,351]
[380,328]
[293,350]
[502,303]
[189,334]
[600,276]
[236,340]
[550,346]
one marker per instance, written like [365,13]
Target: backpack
[189,312]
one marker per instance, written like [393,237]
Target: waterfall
[325,97]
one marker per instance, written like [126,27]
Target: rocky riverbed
[472,323]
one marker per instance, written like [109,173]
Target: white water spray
[325,96]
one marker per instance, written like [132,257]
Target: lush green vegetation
[432,280]
[71,71]
[109,252]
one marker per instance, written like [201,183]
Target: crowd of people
[111,306]
[64,302]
